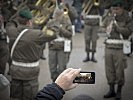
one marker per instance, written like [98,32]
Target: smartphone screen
[85,78]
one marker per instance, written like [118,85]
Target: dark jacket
[50,92]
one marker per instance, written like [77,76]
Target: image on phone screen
[85,78]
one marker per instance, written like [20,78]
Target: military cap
[25,14]
[118,3]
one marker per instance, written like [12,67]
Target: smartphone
[85,78]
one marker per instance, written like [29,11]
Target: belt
[33,64]
[114,41]
[60,39]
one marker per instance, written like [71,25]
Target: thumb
[73,86]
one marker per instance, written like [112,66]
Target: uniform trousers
[90,38]
[115,63]
[24,89]
[58,60]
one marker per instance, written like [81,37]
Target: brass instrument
[88,4]
[65,9]
[96,2]
[41,16]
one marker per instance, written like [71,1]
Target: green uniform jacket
[125,23]
[28,49]
[64,32]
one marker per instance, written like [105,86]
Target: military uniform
[4,88]
[4,55]
[58,58]
[90,34]
[115,61]
[4,49]
[25,58]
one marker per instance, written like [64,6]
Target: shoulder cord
[16,41]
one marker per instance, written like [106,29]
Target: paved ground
[100,87]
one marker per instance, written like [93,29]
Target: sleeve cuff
[62,91]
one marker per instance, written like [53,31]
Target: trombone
[88,4]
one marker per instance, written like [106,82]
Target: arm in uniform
[125,30]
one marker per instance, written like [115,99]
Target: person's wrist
[59,87]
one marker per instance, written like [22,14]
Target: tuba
[41,16]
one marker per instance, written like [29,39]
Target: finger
[74,85]
[76,72]
[67,70]
[72,72]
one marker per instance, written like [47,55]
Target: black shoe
[110,95]
[94,60]
[86,59]
[128,55]
[118,96]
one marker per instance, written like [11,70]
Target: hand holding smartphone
[85,78]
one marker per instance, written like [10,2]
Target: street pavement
[100,87]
